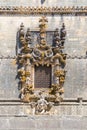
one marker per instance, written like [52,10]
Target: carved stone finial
[22,25]
[59,38]
[42,27]
[63,34]
[56,39]
[28,36]
[21,30]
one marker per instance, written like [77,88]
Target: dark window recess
[42,77]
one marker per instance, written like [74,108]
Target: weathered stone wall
[45,3]
[75,26]
[70,114]
[44,123]
[75,47]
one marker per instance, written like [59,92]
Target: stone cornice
[14,10]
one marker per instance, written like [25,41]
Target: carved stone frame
[41,54]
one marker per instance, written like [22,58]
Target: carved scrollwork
[36,53]
[59,73]
[45,55]
[49,53]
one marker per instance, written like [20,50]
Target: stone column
[56,68]
[28,71]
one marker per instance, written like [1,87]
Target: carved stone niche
[41,66]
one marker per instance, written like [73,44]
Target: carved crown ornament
[70,10]
[41,54]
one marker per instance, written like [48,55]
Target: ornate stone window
[41,66]
[42,76]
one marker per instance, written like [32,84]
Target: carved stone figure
[42,106]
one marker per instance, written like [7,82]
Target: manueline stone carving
[43,10]
[42,106]
[41,54]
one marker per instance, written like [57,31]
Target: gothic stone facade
[71,112]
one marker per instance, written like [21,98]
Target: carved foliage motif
[41,54]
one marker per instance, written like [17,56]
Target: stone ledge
[6,10]
[18,109]
[43,123]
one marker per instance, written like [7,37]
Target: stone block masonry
[71,113]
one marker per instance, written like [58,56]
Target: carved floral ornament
[41,54]
[76,10]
